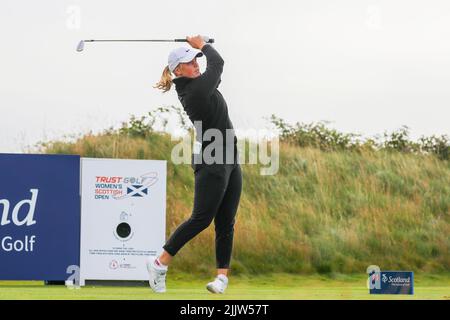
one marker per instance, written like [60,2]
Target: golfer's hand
[196,42]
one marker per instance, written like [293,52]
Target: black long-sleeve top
[203,102]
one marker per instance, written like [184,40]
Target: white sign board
[123,217]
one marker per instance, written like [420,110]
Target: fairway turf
[276,286]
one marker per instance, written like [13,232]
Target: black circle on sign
[123,230]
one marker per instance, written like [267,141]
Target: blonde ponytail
[166,80]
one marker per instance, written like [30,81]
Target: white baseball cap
[182,55]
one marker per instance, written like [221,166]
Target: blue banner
[392,282]
[39,216]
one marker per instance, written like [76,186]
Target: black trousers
[217,193]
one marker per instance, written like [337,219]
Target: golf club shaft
[174,40]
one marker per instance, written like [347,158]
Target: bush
[318,135]
[147,124]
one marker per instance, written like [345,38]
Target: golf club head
[80,46]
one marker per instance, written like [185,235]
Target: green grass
[272,286]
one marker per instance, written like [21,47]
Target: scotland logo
[389,282]
[137,191]
[139,187]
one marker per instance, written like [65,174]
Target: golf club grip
[184,40]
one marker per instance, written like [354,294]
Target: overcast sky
[366,66]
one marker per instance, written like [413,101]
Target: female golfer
[218,178]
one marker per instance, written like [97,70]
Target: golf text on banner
[40,216]
[123,217]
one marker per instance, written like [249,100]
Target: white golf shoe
[157,275]
[218,285]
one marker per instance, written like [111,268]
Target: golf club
[80,46]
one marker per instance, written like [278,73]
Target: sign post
[123,215]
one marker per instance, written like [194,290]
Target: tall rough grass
[324,211]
